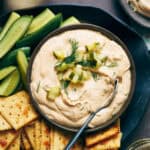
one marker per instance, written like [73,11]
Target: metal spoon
[92,115]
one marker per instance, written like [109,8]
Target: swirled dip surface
[72,108]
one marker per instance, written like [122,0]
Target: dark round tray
[132,116]
[110,36]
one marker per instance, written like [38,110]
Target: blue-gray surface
[143,129]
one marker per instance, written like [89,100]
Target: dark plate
[110,36]
[132,116]
[140,19]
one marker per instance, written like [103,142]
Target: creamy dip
[73,108]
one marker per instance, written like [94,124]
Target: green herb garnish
[95,76]
[69,59]
[64,84]
[86,63]
[104,59]
[113,64]
[74,46]
[38,87]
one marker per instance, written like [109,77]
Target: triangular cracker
[6,138]
[38,134]
[25,141]
[61,138]
[45,136]
[112,143]
[17,110]
[15,145]
[4,125]
[30,133]
[99,136]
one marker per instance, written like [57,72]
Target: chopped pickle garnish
[59,54]
[71,69]
[63,66]
[86,75]
[53,93]
[96,47]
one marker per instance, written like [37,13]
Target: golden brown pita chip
[94,138]
[38,134]
[4,125]
[61,138]
[109,144]
[30,133]
[15,145]
[45,136]
[17,110]
[25,141]
[6,138]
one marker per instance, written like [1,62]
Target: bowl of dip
[71,74]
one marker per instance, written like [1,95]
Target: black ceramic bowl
[110,36]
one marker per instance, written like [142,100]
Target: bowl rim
[106,33]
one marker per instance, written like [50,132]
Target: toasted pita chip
[112,143]
[61,138]
[6,138]
[45,136]
[97,137]
[25,141]
[4,125]
[30,133]
[38,134]
[17,110]
[15,145]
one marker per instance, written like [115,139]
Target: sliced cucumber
[23,65]
[6,71]
[34,38]
[9,84]
[10,58]
[16,31]
[39,21]
[12,18]
[71,20]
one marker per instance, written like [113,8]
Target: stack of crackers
[22,128]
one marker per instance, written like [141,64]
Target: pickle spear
[23,65]
[6,71]
[10,83]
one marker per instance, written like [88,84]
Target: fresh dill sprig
[71,58]
[74,45]
[38,87]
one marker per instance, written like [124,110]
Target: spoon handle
[77,135]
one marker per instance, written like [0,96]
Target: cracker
[45,136]
[112,143]
[30,133]
[25,141]
[61,138]
[38,134]
[17,110]
[6,138]
[4,125]
[99,136]
[15,145]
